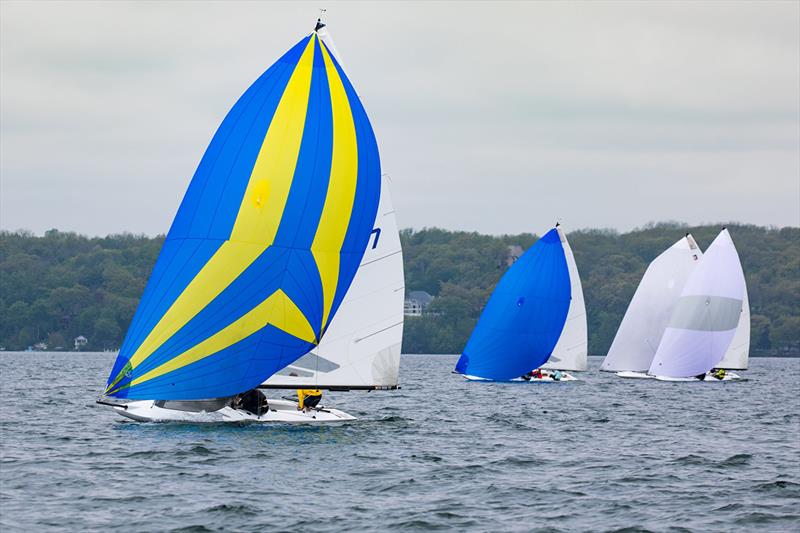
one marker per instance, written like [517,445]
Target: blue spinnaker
[522,321]
[266,241]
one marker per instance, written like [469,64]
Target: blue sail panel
[520,325]
[266,241]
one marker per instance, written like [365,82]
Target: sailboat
[706,317]
[262,252]
[650,309]
[525,317]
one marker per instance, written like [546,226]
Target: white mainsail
[705,317]
[571,350]
[361,348]
[648,314]
[738,355]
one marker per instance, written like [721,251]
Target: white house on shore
[514,252]
[80,342]
[416,303]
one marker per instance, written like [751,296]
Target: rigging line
[381,258]
[379,331]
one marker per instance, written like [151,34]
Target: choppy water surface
[602,454]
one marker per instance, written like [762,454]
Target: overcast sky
[495,117]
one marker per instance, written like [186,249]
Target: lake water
[601,454]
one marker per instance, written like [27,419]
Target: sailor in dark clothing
[253,401]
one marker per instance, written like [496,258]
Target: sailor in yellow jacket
[308,398]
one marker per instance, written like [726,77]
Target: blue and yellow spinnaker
[266,241]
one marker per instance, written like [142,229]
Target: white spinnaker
[361,348]
[706,315]
[738,355]
[570,352]
[648,314]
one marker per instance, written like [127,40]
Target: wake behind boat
[262,252]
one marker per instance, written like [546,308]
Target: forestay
[361,348]
[266,241]
[651,307]
[523,319]
[706,315]
[571,351]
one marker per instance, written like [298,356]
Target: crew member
[253,401]
[308,398]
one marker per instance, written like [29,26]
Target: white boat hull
[565,376]
[629,374]
[667,378]
[280,411]
[729,376]
[710,378]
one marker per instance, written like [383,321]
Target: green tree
[106,333]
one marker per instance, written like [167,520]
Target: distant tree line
[56,287]
[461,269]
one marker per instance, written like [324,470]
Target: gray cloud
[497,117]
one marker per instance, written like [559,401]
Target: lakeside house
[80,342]
[514,252]
[416,303]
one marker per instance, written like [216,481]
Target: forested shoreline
[56,287]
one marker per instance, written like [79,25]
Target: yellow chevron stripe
[341,189]
[278,310]
[258,217]
[226,265]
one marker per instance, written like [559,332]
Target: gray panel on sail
[706,313]
[294,372]
[315,363]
